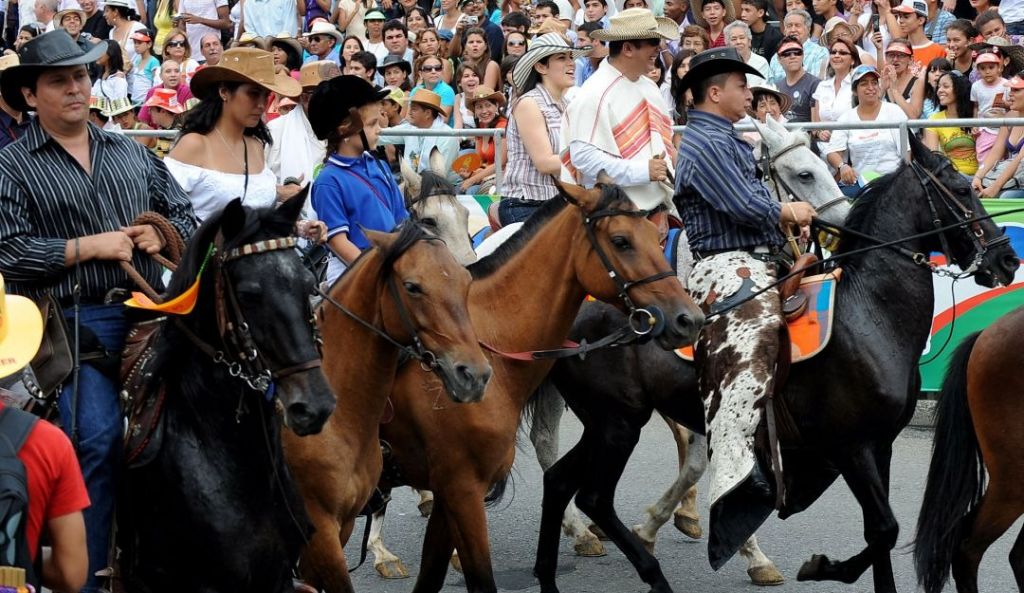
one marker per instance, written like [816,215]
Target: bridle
[238,351]
[415,350]
[769,167]
[643,321]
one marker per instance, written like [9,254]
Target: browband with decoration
[260,247]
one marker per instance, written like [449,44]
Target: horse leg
[467,522]
[869,483]
[323,562]
[609,454]
[1017,561]
[760,568]
[561,482]
[426,504]
[547,417]
[385,563]
[692,468]
[437,549]
[996,512]
[687,519]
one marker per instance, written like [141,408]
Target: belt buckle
[116,296]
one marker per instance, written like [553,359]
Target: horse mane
[432,184]
[409,232]
[863,209]
[611,196]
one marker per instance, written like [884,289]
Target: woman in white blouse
[834,95]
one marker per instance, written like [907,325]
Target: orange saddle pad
[809,333]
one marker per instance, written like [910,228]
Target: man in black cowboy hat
[69,193]
[733,226]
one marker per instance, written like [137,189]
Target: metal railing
[498,134]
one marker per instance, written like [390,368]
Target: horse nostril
[298,411]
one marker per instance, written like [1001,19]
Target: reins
[174,246]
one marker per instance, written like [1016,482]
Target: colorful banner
[965,307]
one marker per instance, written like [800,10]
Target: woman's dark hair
[660,65]
[125,13]
[962,95]
[483,35]
[426,17]
[677,96]
[987,17]
[533,79]
[293,59]
[202,118]
[115,58]
[850,47]
[356,39]
[964,26]
[499,112]
[457,79]
[936,64]
[33,29]
[508,63]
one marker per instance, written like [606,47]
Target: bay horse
[977,435]
[462,453]
[216,509]
[407,290]
[847,406]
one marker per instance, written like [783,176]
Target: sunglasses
[318,39]
[431,68]
[516,43]
[792,53]
[175,44]
[839,52]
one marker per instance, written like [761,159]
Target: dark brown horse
[977,431]
[412,291]
[523,297]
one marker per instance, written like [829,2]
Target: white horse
[794,169]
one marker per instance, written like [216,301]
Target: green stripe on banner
[485,201]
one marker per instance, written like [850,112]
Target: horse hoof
[589,548]
[456,563]
[598,532]
[392,569]
[813,568]
[426,507]
[689,526]
[765,576]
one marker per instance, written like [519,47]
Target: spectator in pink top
[170,75]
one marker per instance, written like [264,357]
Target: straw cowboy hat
[313,73]
[1014,52]
[483,93]
[428,99]
[119,106]
[544,46]
[637,23]
[711,62]
[21,331]
[55,49]
[249,39]
[58,19]
[285,42]
[785,101]
[830,25]
[698,11]
[324,28]
[247,65]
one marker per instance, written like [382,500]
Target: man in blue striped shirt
[732,223]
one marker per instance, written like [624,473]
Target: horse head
[254,307]
[431,201]
[427,305]
[624,263]
[980,245]
[798,172]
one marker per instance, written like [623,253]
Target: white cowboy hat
[637,23]
[324,28]
[546,45]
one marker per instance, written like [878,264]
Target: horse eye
[428,222]
[621,243]
[412,288]
[806,176]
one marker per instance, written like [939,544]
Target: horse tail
[956,476]
[545,390]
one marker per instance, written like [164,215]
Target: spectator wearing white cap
[912,16]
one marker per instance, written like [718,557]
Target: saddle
[143,402]
[794,302]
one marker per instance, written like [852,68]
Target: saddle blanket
[810,332]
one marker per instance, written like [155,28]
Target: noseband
[643,321]
[239,352]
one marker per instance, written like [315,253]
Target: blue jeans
[515,210]
[1015,28]
[99,430]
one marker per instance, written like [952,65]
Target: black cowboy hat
[55,49]
[393,60]
[712,62]
[332,100]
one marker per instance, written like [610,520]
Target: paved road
[832,526]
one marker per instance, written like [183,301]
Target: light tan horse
[409,290]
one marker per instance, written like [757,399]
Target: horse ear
[437,162]
[769,134]
[232,220]
[379,239]
[921,153]
[587,199]
[604,179]
[413,180]
[291,209]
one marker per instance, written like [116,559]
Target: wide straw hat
[483,93]
[427,98]
[1014,52]
[712,62]
[324,28]
[830,25]
[313,73]
[285,42]
[542,47]
[119,106]
[767,88]
[55,49]
[249,39]
[247,65]
[21,331]
[698,11]
[637,23]
[58,19]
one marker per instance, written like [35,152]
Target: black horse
[215,509]
[848,404]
